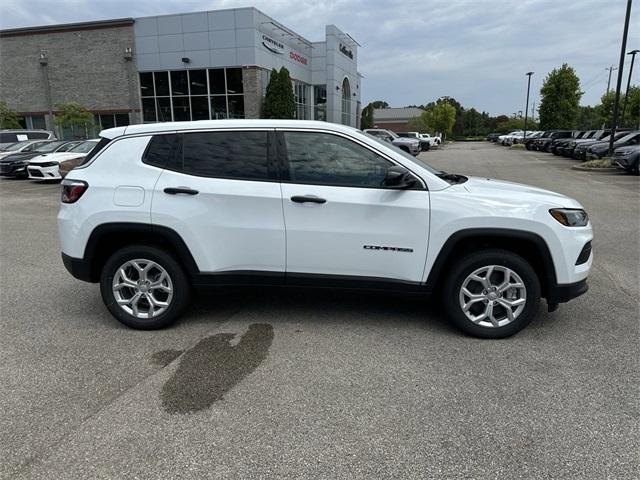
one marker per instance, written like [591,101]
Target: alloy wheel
[142,288]
[492,296]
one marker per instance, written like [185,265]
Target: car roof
[221,125]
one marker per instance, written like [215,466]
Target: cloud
[414,51]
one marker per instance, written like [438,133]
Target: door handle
[307,199]
[180,190]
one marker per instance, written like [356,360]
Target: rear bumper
[77,267]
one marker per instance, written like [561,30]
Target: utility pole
[533,111]
[526,109]
[625,32]
[611,69]
[626,95]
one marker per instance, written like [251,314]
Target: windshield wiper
[452,177]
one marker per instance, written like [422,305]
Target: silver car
[410,145]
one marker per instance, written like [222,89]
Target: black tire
[406,149]
[473,261]
[181,287]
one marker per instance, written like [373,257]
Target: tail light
[72,190]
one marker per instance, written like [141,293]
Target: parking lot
[321,384]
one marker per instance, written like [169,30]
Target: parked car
[14,164]
[161,207]
[493,137]
[557,143]
[434,140]
[11,136]
[503,138]
[46,166]
[628,158]
[425,144]
[600,149]
[542,144]
[409,145]
[565,146]
[24,146]
[580,150]
[529,141]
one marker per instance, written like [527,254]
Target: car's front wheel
[144,287]
[492,293]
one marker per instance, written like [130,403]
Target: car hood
[517,192]
[15,157]
[56,157]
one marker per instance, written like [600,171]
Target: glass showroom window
[110,120]
[183,95]
[301,96]
[320,102]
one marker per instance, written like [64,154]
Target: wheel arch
[528,245]
[107,238]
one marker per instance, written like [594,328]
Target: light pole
[526,109]
[626,95]
[623,47]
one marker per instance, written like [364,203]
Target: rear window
[160,150]
[37,135]
[234,155]
[100,145]
[8,138]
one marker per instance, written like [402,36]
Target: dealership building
[191,66]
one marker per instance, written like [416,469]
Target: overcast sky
[414,51]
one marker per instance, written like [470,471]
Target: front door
[340,219]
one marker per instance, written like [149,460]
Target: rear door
[340,219]
[221,193]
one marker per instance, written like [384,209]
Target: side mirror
[399,177]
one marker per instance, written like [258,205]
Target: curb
[596,170]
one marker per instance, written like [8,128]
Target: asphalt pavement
[321,384]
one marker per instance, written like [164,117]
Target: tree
[441,118]
[437,117]
[366,119]
[8,117]
[632,112]
[74,117]
[279,100]
[380,104]
[589,118]
[560,99]
[512,124]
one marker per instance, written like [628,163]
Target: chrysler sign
[272,45]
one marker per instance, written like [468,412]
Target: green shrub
[517,146]
[598,163]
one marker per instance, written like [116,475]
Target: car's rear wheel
[144,287]
[492,293]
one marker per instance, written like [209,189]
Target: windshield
[84,147]
[48,147]
[628,136]
[406,155]
[17,146]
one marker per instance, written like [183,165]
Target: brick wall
[85,66]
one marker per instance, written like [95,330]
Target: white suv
[160,208]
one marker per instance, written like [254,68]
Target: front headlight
[570,217]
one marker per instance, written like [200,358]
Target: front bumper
[565,292]
[13,170]
[37,172]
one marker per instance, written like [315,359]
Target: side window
[161,150]
[234,155]
[326,159]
